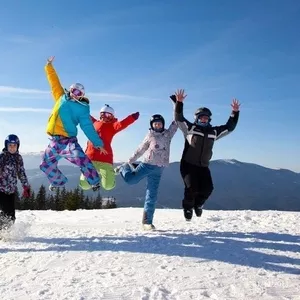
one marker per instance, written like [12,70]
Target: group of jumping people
[72,108]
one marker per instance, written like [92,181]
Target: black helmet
[203,111]
[12,139]
[157,118]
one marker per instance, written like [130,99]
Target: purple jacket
[11,169]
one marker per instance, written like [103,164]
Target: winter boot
[188,214]
[53,188]
[117,169]
[148,227]
[96,187]
[198,210]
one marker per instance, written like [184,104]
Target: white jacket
[156,147]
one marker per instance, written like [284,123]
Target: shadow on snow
[245,249]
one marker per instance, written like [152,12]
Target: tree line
[62,199]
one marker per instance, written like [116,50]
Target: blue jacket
[68,113]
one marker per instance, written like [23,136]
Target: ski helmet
[203,111]
[77,90]
[157,118]
[12,139]
[107,109]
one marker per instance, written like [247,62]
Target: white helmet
[107,109]
[79,87]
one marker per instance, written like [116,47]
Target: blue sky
[134,54]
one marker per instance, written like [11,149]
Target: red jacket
[106,131]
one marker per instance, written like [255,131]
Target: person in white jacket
[156,150]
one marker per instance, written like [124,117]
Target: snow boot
[96,187]
[188,214]
[148,227]
[198,210]
[53,188]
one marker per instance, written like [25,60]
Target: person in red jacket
[107,127]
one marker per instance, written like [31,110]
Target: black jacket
[199,140]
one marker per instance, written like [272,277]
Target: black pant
[7,210]
[198,184]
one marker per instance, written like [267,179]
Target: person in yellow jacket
[71,108]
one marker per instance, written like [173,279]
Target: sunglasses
[76,92]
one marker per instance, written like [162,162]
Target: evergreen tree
[57,200]
[50,204]
[109,203]
[61,198]
[29,203]
[113,203]
[87,204]
[97,204]
[73,200]
[41,198]
[81,200]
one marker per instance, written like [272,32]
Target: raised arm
[183,124]
[54,82]
[224,130]
[121,125]
[141,149]
[173,128]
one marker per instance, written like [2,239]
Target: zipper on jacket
[202,147]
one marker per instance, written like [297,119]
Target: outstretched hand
[235,105]
[102,150]
[50,59]
[180,96]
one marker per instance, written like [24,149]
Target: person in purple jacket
[11,169]
[156,150]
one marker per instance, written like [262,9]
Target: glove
[26,191]
[136,115]
[173,98]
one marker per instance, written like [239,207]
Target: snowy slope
[103,254]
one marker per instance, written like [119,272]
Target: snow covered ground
[104,254]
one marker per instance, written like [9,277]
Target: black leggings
[198,184]
[7,209]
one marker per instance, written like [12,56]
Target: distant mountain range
[238,186]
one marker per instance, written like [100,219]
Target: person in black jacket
[200,136]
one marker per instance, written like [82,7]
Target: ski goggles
[106,114]
[76,92]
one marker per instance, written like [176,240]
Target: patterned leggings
[68,148]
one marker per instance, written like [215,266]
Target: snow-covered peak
[228,161]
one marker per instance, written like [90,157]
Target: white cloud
[24,109]
[18,92]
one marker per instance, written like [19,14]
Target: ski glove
[136,115]
[173,98]
[26,191]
